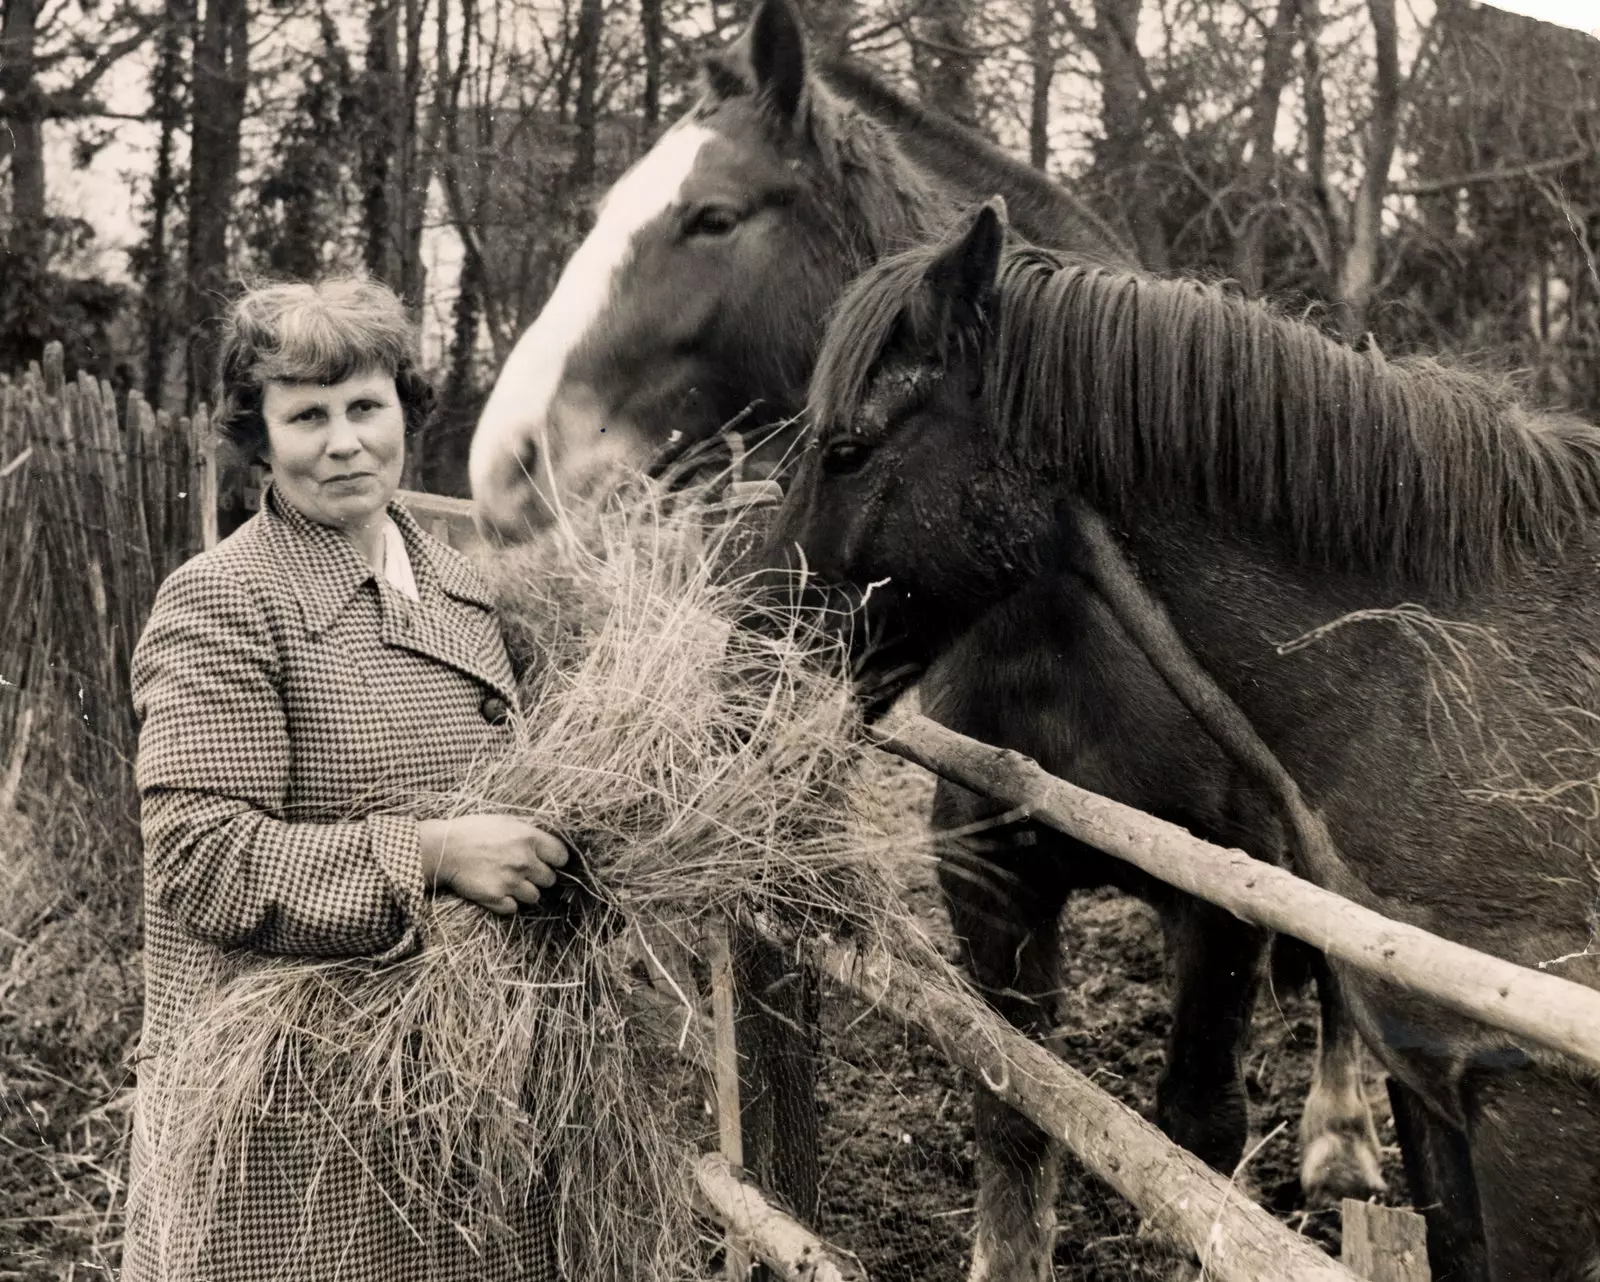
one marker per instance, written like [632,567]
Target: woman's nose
[342,437]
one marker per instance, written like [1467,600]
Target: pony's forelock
[861,327]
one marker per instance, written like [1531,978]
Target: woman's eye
[712,220]
[841,458]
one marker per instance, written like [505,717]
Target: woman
[297,686]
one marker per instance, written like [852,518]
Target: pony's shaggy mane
[1175,393]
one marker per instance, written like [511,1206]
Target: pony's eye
[840,458]
[712,220]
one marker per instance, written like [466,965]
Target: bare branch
[1498,174]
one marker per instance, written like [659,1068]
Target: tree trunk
[943,59]
[221,79]
[1277,63]
[380,100]
[1330,203]
[1124,116]
[22,108]
[450,435]
[650,19]
[586,53]
[1358,272]
[1043,57]
[416,162]
[167,107]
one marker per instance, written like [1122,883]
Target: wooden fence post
[205,480]
[777,1011]
[725,1081]
[1384,1243]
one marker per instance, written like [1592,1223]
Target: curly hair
[322,333]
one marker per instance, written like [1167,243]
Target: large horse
[1390,568]
[698,300]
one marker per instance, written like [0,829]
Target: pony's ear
[777,50]
[964,271]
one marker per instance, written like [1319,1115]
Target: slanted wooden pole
[1384,1243]
[1553,1012]
[1180,1196]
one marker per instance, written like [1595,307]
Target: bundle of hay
[699,771]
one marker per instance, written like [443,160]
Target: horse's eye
[712,220]
[840,458]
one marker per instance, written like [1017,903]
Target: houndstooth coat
[290,703]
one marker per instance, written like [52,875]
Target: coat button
[496,711]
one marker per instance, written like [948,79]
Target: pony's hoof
[1338,1165]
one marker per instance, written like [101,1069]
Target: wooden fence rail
[1554,1012]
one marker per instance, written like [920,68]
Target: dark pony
[1386,568]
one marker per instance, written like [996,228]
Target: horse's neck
[970,168]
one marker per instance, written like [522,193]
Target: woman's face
[336,450]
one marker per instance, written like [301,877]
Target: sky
[1581,14]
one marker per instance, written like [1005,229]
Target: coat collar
[329,571]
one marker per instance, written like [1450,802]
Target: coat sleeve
[213,775]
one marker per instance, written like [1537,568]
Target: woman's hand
[499,861]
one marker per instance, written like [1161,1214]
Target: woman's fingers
[526,892]
[505,906]
[550,848]
[539,873]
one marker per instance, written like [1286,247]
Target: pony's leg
[1439,1173]
[1215,962]
[1338,1140]
[1534,1135]
[1004,892]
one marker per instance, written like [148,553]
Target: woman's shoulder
[242,559]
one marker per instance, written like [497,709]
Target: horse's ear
[777,48]
[967,265]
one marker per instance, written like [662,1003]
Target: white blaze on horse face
[518,410]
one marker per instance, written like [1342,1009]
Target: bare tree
[1042,57]
[221,80]
[166,106]
[396,153]
[1358,268]
[1259,179]
[651,28]
[586,55]
[1126,116]
[943,57]
[24,109]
